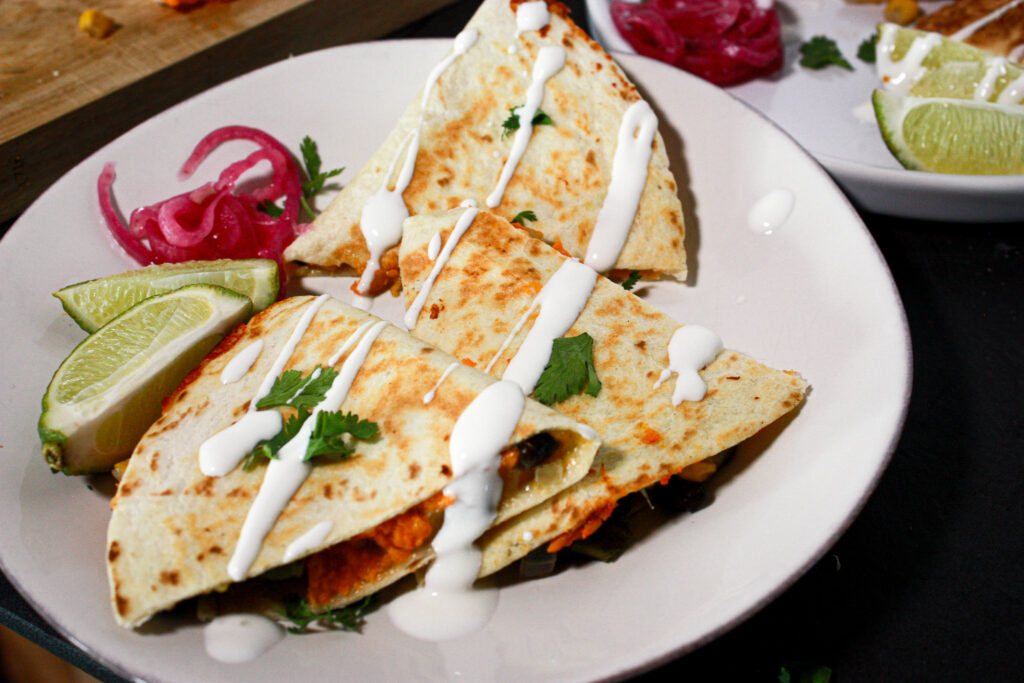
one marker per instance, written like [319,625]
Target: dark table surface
[927,584]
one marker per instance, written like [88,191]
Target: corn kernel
[96,23]
[902,12]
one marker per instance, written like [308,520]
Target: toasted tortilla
[173,530]
[563,177]
[999,36]
[490,281]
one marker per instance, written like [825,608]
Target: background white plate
[814,296]
[816,108]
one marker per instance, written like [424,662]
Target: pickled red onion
[723,41]
[214,220]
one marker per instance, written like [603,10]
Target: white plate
[816,108]
[815,296]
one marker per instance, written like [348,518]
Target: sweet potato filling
[345,567]
[588,526]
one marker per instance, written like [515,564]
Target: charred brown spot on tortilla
[122,604]
[166,492]
[446,471]
[115,550]
[435,311]
[215,550]
[237,492]
[414,470]
[124,489]
[328,491]
[169,578]
[204,487]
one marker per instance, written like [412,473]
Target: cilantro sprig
[312,185]
[866,50]
[820,52]
[348,618]
[511,124]
[524,216]
[569,371]
[328,435]
[630,282]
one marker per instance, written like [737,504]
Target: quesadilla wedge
[996,26]
[480,298]
[176,532]
[526,114]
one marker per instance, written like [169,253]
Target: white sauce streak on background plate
[550,61]
[461,226]
[968,31]
[770,211]
[308,541]
[382,215]
[222,452]
[531,16]
[429,396]
[286,473]
[448,606]
[629,174]
[240,364]
[690,350]
[236,638]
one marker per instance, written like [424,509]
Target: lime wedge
[93,303]
[950,135]
[105,395]
[925,64]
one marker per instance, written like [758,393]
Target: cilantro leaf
[524,216]
[866,50]
[270,208]
[292,389]
[268,448]
[348,618]
[511,124]
[315,178]
[630,282]
[569,371]
[327,438]
[821,51]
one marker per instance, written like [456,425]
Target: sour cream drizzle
[236,638]
[901,76]
[629,174]
[550,61]
[308,541]
[770,211]
[447,606]
[286,473]
[1013,92]
[434,248]
[222,452]
[240,364]
[461,226]
[381,218]
[690,350]
[531,16]
[429,396]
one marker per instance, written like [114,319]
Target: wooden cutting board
[63,94]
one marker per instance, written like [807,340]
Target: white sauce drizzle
[561,301]
[901,76]
[550,61]
[429,396]
[629,174]
[448,607]
[222,452]
[434,248]
[531,16]
[770,211]
[352,340]
[690,350]
[968,31]
[381,218]
[996,67]
[461,226]
[1016,53]
[308,541]
[237,638]
[1013,92]
[240,364]
[286,473]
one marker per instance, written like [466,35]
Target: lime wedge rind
[92,415]
[93,303]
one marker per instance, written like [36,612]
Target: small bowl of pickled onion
[726,42]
